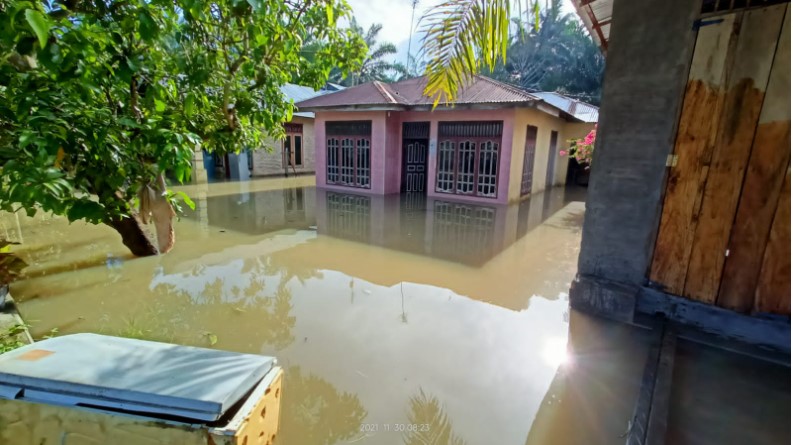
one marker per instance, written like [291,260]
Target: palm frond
[427,410]
[382,50]
[371,34]
[460,37]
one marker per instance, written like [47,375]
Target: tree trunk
[133,236]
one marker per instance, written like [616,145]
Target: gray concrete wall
[647,64]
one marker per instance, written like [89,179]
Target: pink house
[495,144]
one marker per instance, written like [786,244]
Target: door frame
[414,132]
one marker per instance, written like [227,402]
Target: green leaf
[213,338]
[159,105]
[40,25]
[148,27]
[255,4]
[189,105]
[189,202]
[85,209]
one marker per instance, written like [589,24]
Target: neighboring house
[292,155]
[496,144]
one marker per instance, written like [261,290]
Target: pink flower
[562,153]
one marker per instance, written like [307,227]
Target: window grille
[349,153]
[468,158]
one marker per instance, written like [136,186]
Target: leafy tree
[99,100]
[414,68]
[374,65]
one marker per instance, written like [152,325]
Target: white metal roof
[579,110]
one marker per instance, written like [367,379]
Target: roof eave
[470,106]
[361,107]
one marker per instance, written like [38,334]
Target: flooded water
[397,320]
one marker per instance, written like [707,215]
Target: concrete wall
[268,160]
[545,123]
[378,149]
[393,155]
[506,115]
[649,53]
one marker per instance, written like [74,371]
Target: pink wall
[386,160]
[507,115]
[378,161]
[393,177]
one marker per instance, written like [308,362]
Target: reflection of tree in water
[314,412]
[264,318]
[267,267]
[427,410]
[238,309]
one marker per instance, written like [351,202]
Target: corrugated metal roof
[580,110]
[596,15]
[370,94]
[300,93]
[410,93]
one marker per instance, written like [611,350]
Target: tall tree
[99,100]
[374,65]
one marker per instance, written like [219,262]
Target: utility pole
[410,37]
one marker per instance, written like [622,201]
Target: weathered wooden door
[415,138]
[724,236]
[528,160]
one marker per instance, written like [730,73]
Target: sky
[394,15]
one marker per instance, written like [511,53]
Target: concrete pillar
[238,166]
[647,65]
[199,173]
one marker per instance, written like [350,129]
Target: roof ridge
[507,86]
[383,90]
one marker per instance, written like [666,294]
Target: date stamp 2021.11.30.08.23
[395,427]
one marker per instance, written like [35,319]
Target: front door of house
[415,142]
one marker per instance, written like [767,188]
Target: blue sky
[394,15]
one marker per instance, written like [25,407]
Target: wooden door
[553,150]
[732,150]
[528,160]
[415,139]
[414,168]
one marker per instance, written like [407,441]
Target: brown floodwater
[398,320]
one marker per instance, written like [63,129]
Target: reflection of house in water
[263,211]
[461,232]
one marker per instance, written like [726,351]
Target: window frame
[495,136]
[292,131]
[356,133]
